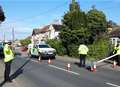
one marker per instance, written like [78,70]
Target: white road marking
[34,60]
[112,84]
[64,69]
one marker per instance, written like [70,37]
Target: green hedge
[57,44]
[98,50]
[73,49]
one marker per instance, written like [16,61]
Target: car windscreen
[44,46]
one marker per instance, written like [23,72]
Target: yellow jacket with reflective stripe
[115,50]
[118,50]
[8,53]
[83,49]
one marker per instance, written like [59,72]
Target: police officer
[115,48]
[82,50]
[9,56]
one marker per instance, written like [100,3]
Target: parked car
[43,51]
[1,50]
[46,51]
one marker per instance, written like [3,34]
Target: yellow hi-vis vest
[83,49]
[8,53]
[118,50]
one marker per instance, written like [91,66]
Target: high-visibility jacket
[115,50]
[34,51]
[118,50]
[8,53]
[83,49]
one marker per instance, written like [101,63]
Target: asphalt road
[30,73]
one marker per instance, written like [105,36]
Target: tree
[74,29]
[74,6]
[2,16]
[25,42]
[97,23]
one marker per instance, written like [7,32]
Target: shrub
[25,42]
[73,49]
[99,49]
[57,44]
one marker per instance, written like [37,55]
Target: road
[30,73]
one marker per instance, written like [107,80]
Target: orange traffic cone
[114,64]
[68,66]
[93,68]
[49,61]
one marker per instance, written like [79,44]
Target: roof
[45,29]
[57,27]
[115,32]
[40,30]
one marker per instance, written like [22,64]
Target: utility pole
[13,35]
[3,36]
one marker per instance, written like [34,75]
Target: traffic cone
[93,68]
[68,66]
[49,61]
[114,64]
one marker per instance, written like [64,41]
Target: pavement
[2,84]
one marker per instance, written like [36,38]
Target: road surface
[31,73]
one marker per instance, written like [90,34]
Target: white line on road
[112,84]
[64,69]
[34,60]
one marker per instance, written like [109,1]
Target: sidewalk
[13,84]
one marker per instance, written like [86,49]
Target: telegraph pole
[13,35]
[3,36]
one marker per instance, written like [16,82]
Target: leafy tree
[74,29]
[25,42]
[97,23]
[2,16]
[74,6]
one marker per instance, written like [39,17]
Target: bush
[73,49]
[57,44]
[99,49]
[25,42]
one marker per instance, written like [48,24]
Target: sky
[25,15]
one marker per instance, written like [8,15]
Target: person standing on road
[9,56]
[83,50]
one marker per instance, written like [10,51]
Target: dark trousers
[119,60]
[7,70]
[82,60]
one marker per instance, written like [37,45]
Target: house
[115,35]
[50,31]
